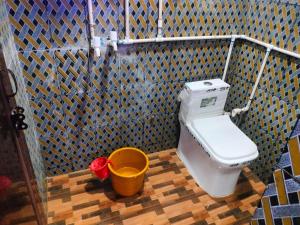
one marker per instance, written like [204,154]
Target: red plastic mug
[100,167]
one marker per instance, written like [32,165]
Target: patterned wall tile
[281,77]
[208,17]
[258,16]
[220,53]
[72,70]
[29,21]
[172,89]
[138,14]
[187,18]
[56,154]
[288,123]
[153,130]
[283,189]
[218,17]
[228,16]
[249,62]
[79,110]
[169,11]
[293,42]
[121,19]
[152,18]
[296,2]
[105,72]
[155,99]
[157,63]
[132,101]
[267,155]
[132,132]
[129,70]
[280,22]
[182,59]
[171,131]
[68,21]
[40,73]
[274,113]
[257,107]
[107,105]
[106,16]
[48,116]
[238,92]
[83,146]
[234,58]
[109,138]
[208,62]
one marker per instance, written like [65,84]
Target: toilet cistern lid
[224,140]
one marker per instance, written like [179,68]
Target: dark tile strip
[79,173]
[62,222]
[180,217]
[85,205]
[157,186]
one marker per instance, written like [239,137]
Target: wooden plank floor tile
[170,196]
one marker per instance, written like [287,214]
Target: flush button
[207,83]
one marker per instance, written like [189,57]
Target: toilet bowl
[211,146]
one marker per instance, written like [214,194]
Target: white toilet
[211,146]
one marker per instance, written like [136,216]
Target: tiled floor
[16,208]
[170,197]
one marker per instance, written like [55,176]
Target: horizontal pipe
[166,39]
[274,48]
[215,37]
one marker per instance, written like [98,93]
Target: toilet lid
[224,140]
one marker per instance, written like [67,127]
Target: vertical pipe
[159,22]
[228,57]
[127,37]
[237,111]
[91,19]
[258,77]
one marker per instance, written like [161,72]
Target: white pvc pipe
[95,41]
[259,76]
[127,36]
[184,38]
[91,19]
[286,52]
[159,22]
[219,37]
[247,107]
[228,57]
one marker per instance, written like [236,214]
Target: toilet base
[217,179]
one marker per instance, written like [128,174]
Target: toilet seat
[223,140]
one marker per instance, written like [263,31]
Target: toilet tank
[202,99]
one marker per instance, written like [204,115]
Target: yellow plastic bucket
[128,169]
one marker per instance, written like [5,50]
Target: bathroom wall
[281,201]
[10,158]
[274,109]
[84,106]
